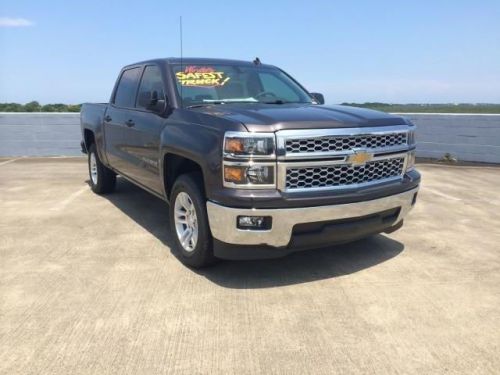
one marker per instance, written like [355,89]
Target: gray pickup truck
[251,164]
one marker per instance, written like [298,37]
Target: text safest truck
[251,164]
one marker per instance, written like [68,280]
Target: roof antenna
[256,61]
[182,68]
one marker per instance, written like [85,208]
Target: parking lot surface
[88,284]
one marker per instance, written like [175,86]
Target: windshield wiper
[230,100]
[223,101]
[249,100]
[198,105]
[277,101]
[280,101]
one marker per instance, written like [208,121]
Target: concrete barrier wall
[466,137]
[40,134]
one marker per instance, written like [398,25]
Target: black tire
[104,181]
[202,253]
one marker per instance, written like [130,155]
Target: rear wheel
[189,222]
[102,179]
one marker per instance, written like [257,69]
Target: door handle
[129,123]
[107,118]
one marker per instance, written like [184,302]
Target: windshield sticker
[201,76]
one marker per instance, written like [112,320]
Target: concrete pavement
[88,285]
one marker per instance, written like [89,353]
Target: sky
[422,51]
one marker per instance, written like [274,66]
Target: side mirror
[154,98]
[318,98]
[152,101]
[156,102]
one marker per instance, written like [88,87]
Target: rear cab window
[127,88]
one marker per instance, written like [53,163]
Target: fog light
[254,222]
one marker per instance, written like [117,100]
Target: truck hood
[273,117]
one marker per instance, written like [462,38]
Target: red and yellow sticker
[202,76]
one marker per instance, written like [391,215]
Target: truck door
[142,137]
[118,120]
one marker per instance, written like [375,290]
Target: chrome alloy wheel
[186,222]
[93,168]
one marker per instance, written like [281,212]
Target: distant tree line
[430,108]
[34,106]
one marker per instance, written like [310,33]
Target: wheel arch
[175,165]
[88,138]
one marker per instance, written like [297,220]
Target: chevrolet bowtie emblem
[359,158]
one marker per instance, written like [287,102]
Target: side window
[272,83]
[151,81]
[125,93]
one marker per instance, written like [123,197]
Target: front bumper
[223,219]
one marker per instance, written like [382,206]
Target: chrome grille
[343,174]
[344,143]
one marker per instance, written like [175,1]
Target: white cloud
[14,22]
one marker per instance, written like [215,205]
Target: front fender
[198,143]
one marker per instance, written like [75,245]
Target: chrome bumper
[223,219]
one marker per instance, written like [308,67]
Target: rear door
[118,120]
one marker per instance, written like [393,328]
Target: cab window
[274,83]
[151,81]
[127,88]
[226,83]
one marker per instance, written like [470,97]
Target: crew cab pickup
[251,164]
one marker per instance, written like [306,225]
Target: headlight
[410,161]
[248,145]
[249,160]
[411,137]
[249,176]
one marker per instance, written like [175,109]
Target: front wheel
[102,179]
[189,222]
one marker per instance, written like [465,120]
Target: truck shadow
[302,267]
[306,266]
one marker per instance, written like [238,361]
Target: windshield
[221,84]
